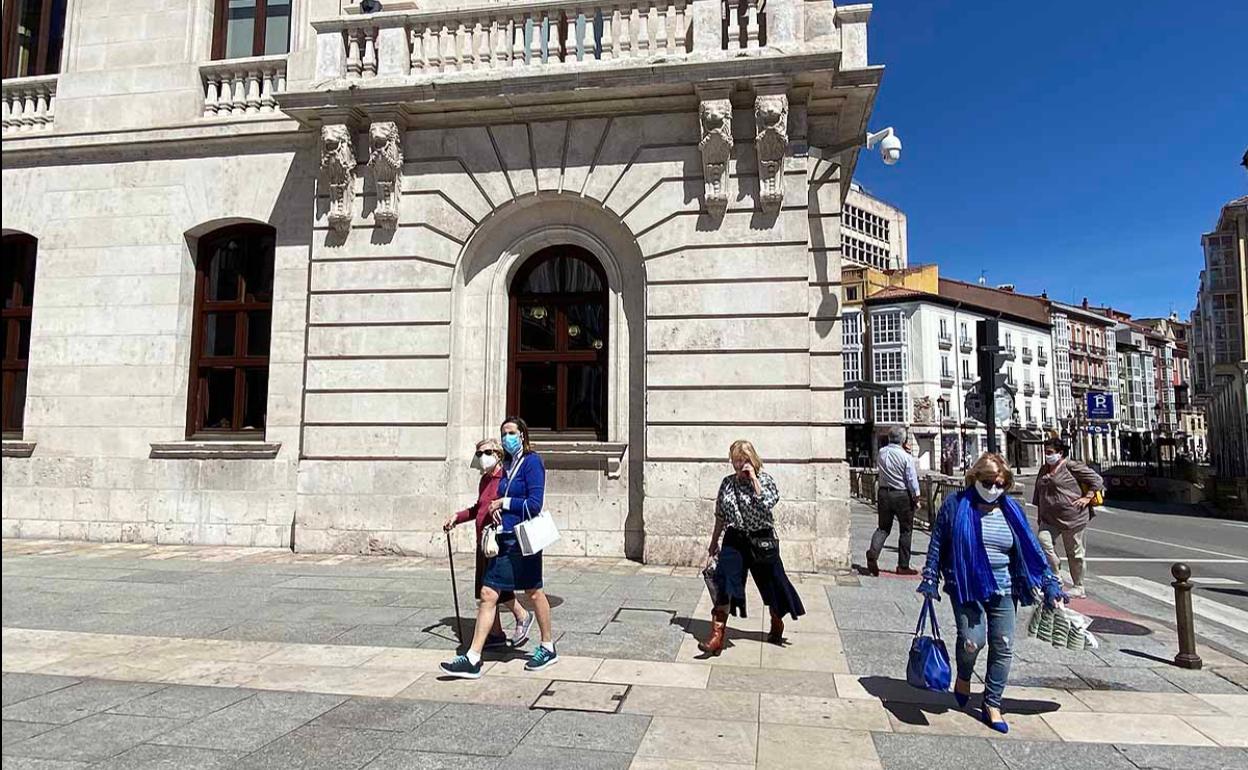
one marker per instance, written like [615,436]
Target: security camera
[890,145]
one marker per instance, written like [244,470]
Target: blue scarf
[972,574]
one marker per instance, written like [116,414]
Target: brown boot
[719,625]
[777,630]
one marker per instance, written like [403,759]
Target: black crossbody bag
[764,545]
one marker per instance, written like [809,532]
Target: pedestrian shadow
[912,706]
[701,629]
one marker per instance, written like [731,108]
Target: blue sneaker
[495,640]
[462,668]
[521,634]
[541,659]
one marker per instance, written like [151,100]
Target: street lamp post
[1018,443]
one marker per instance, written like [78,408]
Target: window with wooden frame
[19,290]
[230,339]
[34,35]
[243,28]
[557,364]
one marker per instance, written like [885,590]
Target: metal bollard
[1187,657]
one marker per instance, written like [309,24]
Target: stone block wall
[110,348]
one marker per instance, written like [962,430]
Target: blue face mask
[511,444]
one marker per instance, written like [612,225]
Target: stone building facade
[279,279]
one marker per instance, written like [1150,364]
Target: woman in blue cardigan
[521,489]
[983,547]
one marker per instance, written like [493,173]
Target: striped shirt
[998,542]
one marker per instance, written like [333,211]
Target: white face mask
[487,463]
[988,494]
[1053,459]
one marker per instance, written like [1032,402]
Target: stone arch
[483,275]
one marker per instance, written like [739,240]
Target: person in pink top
[488,460]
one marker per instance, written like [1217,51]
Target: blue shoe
[462,668]
[495,640]
[542,659]
[521,634]
[1000,727]
[961,699]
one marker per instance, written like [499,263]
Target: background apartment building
[1086,364]
[1220,341]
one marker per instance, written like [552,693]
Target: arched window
[19,290]
[557,374]
[230,344]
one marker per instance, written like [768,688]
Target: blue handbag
[928,667]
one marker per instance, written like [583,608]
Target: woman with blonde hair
[983,547]
[488,459]
[743,515]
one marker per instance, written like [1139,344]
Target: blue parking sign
[1100,406]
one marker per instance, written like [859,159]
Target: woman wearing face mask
[521,489]
[487,459]
[1063,499]
[744,508]
[984,550]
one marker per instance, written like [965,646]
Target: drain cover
[647,617]
[582,696]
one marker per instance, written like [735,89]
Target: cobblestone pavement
[136,656]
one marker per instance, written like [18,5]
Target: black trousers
[893,504]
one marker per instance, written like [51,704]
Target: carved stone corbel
[338,163]
[771,143]
[385,160]
[716,146]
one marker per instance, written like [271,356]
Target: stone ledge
[580,455]
[18,448]
[215,450]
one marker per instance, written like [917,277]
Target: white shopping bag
[537,533]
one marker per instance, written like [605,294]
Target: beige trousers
[1072,540]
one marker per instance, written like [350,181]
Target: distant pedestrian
[488,460]
[1063,496]
[521,492]
[744,516]
[983,548]
[897,499]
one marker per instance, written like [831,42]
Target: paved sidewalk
[122,656]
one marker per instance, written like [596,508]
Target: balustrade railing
[243,86]
[28,104]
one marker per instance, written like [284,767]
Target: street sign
[974,404]
[1003,401]
[1100,405]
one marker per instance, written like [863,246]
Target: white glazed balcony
[28,104]
[249,86]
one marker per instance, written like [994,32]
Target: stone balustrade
[243,86]
[548,36]
[28,103]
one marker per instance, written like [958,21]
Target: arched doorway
[558,344]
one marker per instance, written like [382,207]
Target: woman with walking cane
[521,491]
[488,460]
[983,547]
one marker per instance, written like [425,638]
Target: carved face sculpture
[379,135]
[769,112]
[715,113]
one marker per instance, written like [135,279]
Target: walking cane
[459,622]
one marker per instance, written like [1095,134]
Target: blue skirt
[511,570]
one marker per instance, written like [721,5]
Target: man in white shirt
[898,497]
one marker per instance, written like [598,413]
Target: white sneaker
[1077,592]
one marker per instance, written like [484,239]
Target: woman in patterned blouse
[744,509]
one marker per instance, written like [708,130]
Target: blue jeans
[989,622]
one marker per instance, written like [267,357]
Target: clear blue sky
[1078,148]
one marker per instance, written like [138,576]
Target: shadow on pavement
[911,705]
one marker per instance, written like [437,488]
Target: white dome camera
[890,145]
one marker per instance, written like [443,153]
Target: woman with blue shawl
[983,548]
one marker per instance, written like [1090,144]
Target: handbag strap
[928,611]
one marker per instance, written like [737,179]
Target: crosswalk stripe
[1167,560]
[1202,606]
